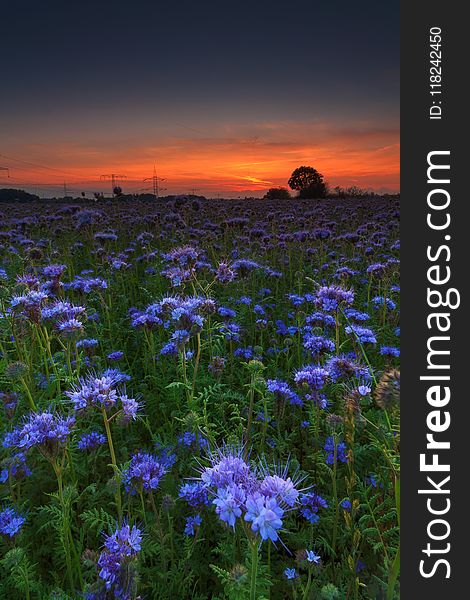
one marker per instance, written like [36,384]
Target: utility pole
[154,179]
[194,190]
[65,190]
[114,179]
[7,170]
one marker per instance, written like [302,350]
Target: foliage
[199,399]
[308,181]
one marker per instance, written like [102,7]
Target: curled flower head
[227,467]
[102,392]
[91,441]
[313,376]
[144,472]
[191,524]
[330,298]
[121,548]
[47,431]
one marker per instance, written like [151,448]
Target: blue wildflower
[11,522]
[265,516]
[341,450]
[191,524]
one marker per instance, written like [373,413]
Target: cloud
[234,154]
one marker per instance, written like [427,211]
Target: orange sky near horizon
[231,162]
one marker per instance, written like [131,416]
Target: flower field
[199,399]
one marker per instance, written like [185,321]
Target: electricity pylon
[154,179]
[114,179]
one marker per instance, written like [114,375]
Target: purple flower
[345,367]
[194,493]
[144,472]
[120,551]
[101,392]
[315,377]
[194,441]
[14,467]
[380,302]
[47,430]
[281,391]
[228,467]
[91,441]
[87,344]
[85,285]
[354,315]
[341,449]
[290,573]
[225,273]
[317,344]
[228,503]
[312,557]
[365,335]
[330,298]
[191,524]
[98,391]
[310,504]
[11,522]
[283,490]
[390,351]
[70,327]
[265,516]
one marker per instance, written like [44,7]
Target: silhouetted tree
[279,193]
[308,181]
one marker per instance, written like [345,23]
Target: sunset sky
[224,98]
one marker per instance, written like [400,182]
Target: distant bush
[11,195]
[277,193]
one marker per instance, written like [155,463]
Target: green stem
[196,364]
[393,576]
[254,569]
[335,499]
[308,586]
[68,561]
[32,404]
[114,463]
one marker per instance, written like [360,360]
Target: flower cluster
[91,441]
[143,473]
[332,445]
[238,489]
[11,522]
[331,298]
[101,392]
[282,392]
[117,559]
[47,431]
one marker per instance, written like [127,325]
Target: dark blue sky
[148,73]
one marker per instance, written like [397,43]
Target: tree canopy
[308,182]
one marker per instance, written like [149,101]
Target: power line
[25,162]
[114,179]
[154,179]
